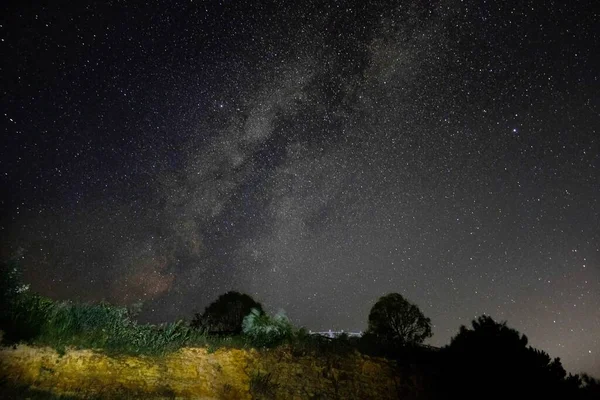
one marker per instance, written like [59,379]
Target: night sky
[315,155]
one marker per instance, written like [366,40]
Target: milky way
[314,155]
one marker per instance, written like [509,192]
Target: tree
[397,322]
[225,315]
[22,313]
[486,332]
[492,356]
[590,387]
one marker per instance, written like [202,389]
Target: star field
[315,155]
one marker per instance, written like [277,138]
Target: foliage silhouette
[305,344]
[395,322]
[590,388]
[488,360]
[22,312]
[225,315]
[493,360]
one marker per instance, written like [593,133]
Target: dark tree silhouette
[225,315]
[590,388]
[397,322]
[494,360]
[19,309]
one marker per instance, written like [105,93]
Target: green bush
[110,328]
[34,319]
[266,331]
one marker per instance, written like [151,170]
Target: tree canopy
[398,322]
[492,355]
[225,315]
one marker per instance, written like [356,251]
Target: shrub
[225,315]
[264,330]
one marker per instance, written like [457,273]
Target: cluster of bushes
[235,313]
[100,326]
[31,318]
[263,330]
[488,355]
[234,319]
